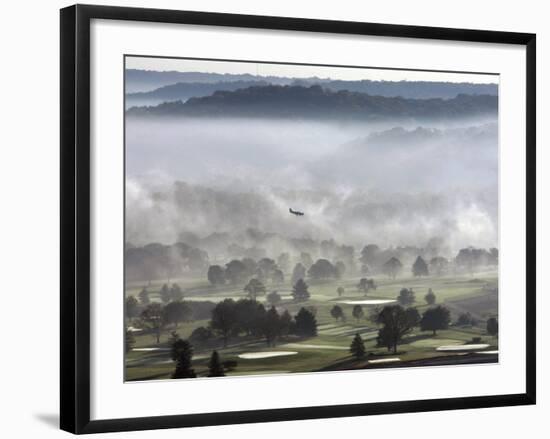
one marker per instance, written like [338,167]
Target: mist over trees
[396,183]
[168,261]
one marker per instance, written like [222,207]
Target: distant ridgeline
[296,101]
[181,85]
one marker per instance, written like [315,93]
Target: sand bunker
[368,302]
[315,346]
[384,360]
[259,355]
[132,329]
[150,349]
[462,347]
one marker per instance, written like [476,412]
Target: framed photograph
[268,218]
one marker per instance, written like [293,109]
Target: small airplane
[295,212]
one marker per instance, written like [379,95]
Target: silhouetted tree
[176,312]
[420,268]
[274,298]
[131,307]
[396,323]
[182,354]
[357,312]
[464,319]
[201,335]
[254,288]
[224,319]
[392,267]
[300,291]
[152,318]
[430,297]
[266,268]
[305,323]
[235,271]
[271,326]
[215,367]
[216,275]
[165,294]
[357,347]
[298,273]
[406,296]
[322,269]
[366,284]
[249,315]
[144,297]
[176,292]
[370,256]
[337,312]
[286,323]
[435,318]
[492,326]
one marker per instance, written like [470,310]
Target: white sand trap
[431,343]
[150,349]
[384,360]
[132,329]
[462,347]
[314,346]
[195,357]
[487,352]
[258,355]
[368,302]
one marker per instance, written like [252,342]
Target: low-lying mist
[357,183]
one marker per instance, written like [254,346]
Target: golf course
[475,295]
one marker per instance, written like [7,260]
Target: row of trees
[407,297]
[238,271]
[267,270]
[166,293]
[250,318]
[155,316]
[397,322]
[376,260]
[159,261]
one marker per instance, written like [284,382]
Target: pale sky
[301,71]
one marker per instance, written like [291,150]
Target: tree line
[396,322]
[248,317]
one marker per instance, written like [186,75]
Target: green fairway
[330,348]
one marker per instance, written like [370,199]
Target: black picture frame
[75,217]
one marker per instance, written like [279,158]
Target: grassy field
[329,350]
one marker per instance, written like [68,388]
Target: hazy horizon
[265,69]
